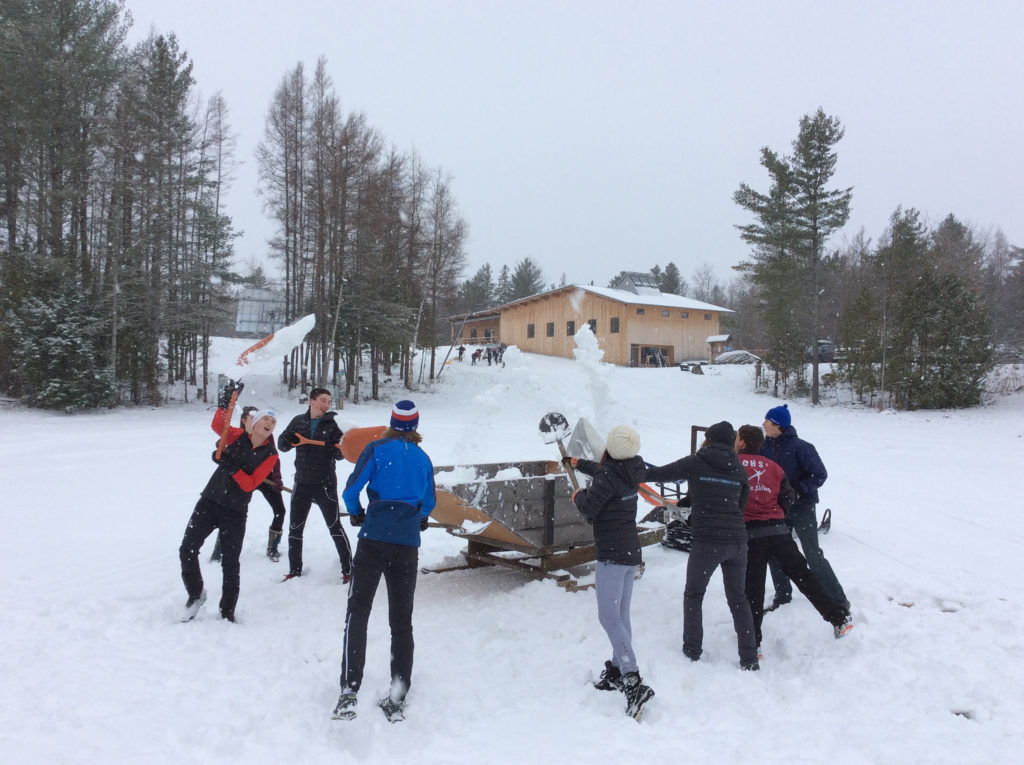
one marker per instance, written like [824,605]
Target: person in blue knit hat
[399,481]
[806,473]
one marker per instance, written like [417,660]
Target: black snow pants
[781,549]
[398,564]
[326,498]
[206,517]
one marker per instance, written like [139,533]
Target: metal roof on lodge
[659,299]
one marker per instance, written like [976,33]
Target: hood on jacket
[719,456]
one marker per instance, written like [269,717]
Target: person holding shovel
[271,488]
[316,437]
[245,458]
[610,505]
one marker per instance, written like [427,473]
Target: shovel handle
[227,426]
[568,466]
[301,440]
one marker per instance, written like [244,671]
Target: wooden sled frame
[541,563]
[554,539]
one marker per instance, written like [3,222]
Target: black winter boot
[611,678]
[272,542]
[637,694]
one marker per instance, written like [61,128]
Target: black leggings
[206,517]
[782,550]
[398,565]
[276,505]
[326,498]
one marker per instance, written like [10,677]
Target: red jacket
[248,482]
[770,492]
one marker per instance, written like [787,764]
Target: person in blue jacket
[399,481]
[806,473]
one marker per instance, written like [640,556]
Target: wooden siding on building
[640,326]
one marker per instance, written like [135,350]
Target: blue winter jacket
[800,460]
[399,481]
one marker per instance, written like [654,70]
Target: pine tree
[527,279]
[672,282]
[941,345]
[54,352]
[503,291]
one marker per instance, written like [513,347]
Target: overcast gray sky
[596,136]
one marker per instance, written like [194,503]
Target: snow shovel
[585,441]
[554,427]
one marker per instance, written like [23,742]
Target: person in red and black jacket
[769,537]
[246,461]
[271,488]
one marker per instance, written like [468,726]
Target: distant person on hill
[399,481]
[610,505]
[806,473]
[247,459]
[315,478]
[271,491]
[718,490]
[769,538]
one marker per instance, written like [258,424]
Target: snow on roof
[719,338]
[658,298]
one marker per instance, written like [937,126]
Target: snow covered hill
[925,538]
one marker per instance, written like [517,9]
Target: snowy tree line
[114,248]
[920,315]
[368,238]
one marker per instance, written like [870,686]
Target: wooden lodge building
[635,324]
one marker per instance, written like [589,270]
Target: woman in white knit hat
[610,505]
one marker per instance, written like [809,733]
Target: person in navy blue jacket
[399,481]
[806,473]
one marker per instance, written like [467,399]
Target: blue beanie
[780,416]
[405,416]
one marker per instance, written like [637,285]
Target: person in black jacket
[271,491]
[315,478]
[718,491]
[247,459]
[610,505]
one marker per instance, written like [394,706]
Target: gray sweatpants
[614,591]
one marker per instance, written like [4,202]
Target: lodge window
[570,328]
[639,311]
[615,325]
[530,330]
[707,317]
[665,313]
[593,325]
[472,333]
[684,315]
[551,329]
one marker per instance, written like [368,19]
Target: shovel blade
[553,427]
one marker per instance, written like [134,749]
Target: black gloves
[357,520]
[424,519]
[230,387]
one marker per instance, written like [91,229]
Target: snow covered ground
[926,539]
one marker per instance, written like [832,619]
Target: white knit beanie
[623,443]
